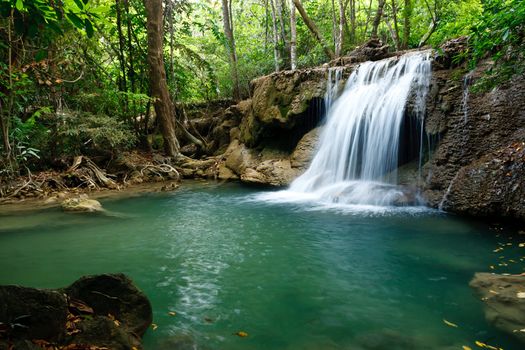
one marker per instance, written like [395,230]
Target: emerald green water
[290,275]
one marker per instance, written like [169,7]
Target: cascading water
[357,156]
[335,75]
[467,80]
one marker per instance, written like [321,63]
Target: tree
[275,38]
[159,88]
[377,18]
[293,36]
[230,42]
[407,14]
[313,29]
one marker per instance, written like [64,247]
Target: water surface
[291,275]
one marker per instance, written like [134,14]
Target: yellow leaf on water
[172,313]
[480,344]
[448,323]
[241,334]
[466,347]
[154,326]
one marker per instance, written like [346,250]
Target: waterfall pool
[291,275]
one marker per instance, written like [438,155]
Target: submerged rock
[81,204]
[504,298]
[102,311]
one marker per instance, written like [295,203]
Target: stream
[290,275]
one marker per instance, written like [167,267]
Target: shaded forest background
[75,78]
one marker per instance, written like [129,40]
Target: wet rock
[106,311]
[117,295]
[446,56]
[491,186]
[32,313]
[305,150]
[81,204]
[504,299]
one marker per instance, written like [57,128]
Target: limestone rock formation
[81,204]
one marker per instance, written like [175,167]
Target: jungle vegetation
[103,76]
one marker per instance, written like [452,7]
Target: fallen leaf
[448,323]
[172,313]
[466,347]
[241,334]
[154,326]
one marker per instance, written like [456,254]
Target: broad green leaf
[75,20]
[89,28]
[80,4]
[19,5]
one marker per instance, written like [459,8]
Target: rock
[226,173]
[117,295]
[504,306]
[448,52]
[491,186]
[40,313]
[81,205]
[105,311]
[239,157]
[305,150]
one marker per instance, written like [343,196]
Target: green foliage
[500,30]
[87,133]
[499,34]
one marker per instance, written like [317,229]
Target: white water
[466,92]
[335,75]
[357,155]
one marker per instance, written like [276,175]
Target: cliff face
[478,166]
[475,153]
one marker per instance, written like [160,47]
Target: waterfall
[335,75]
[357,155]
[467,79]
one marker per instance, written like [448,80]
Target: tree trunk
[293,37]
[131,70]
[5,132]
[377,18]
[228,32]
[353,22]
[396,27]
[123,84]
[159,87]
[280,17]
[334,27]
[276,57]
[407,13]
[342,26]
[313,29]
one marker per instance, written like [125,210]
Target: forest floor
[132,174]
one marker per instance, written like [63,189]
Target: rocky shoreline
[473,161]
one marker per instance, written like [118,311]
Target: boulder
[117,295]
[491,186]
[305,149]
[32,313]
[504,299]
[81,204]
[95,312]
